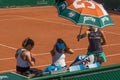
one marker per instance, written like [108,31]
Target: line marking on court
[48,53]
[24,17]
[113,55]
[50,21]
[57,22]
[112,33]
[8,47]
[11,19]
[10,58]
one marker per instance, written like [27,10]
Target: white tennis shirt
[59,59]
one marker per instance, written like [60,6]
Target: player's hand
[70,51]
[33,59]
[103,43]
[78,37]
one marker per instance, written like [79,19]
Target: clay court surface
[44,26]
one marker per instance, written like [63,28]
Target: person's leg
[102,54]
[21,70]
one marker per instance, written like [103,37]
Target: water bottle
[76,67]
[94,65]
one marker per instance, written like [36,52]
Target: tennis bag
[85,62]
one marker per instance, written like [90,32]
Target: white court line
[112,33]
[113,55]
[12,19]
[49,52]
[8,47]
[50,21]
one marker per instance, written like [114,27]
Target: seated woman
[58,55]
[24,57]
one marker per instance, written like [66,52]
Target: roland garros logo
[82,5]
[3,77]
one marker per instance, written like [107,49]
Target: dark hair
[59,40]
[28,41]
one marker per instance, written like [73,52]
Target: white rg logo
[82,5]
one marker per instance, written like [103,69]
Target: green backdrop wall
[109,3]
[22,3]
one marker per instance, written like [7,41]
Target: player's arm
[52,52]
[80,36]
[30,59]
[16,54]
[103,38]
[69,50]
